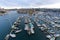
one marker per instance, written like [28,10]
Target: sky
[28,3]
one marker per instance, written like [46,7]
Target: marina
[29,19]
[25,27]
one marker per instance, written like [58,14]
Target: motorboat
[31,28]
[16,23]
[7,37]
[26,21]
[38,24]
[57,25]
[57,21]
[52,22]
[13,35]
[26,27]
[29,20]
[32,31]
[42,28]
[17,31]
[13,27]
[44,25]
[56,35]
[51,31]
[51,37]
[56,17]
[31,25]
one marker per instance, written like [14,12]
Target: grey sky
[26,3]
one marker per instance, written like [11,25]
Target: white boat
[32,31]
[52,22]
[13,27]
[29,20]
[32,28]
[18,21]
[51,31]
[44,25]
[26,27]
[38,24]
[53,38]
[56,17]
[13,35]
[17,31]
[7,37]
[31,25]
[26,21]
[57,25]
[42,28]
[50,37]
[56,35]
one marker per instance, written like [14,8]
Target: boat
[42,28]
[13,27]
[32,31]
[26,27]
[56,35]
[31,28]
[50,37]
[38,24]
[16,23]
[17,31]
[56,17]
[26,21]
[13,35]
[57,25]
[52,22]
[51,31]
[31,25]
[29,20]
[7,37]
[44,25]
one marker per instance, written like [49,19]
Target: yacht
[31,28]
[13,35]
[18,21]
[56,35]
[51,31]
[32,31]
[17,31]
[13,27]
[44,25]
[38,24]
[26,21]
[42,28]
[7,37]
[50,37]
[26,27]
[31,25]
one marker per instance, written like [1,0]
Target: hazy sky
[26,3]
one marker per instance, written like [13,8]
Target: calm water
[7,21]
